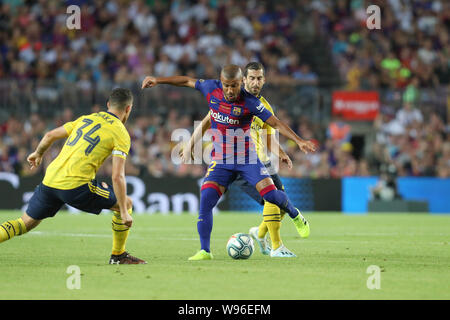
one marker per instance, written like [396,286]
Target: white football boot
[282,252]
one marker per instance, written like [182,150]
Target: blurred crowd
[412,47]
[410,53]
[123,41]
[415,144]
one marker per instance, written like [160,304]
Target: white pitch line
[179,239]
[90,235]
[59,234]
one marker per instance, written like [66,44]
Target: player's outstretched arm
[179,81]
[35,158]
[120,188]
[199,132]
[304,145]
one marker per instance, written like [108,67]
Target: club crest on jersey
[236,111]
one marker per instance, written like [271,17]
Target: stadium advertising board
[307,194]
[149,195]
[176,195]
[356,193]
[358,105]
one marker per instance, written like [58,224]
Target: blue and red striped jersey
[230,123]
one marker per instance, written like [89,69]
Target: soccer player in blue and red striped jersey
[262,134]
[232,110]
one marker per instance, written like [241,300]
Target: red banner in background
[360,105]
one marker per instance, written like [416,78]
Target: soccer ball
[240,246]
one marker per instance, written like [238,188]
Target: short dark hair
[253,66]
[120,98]
[231,72]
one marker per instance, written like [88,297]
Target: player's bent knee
[29,222]
[213,185]
[268,193]
[264,183]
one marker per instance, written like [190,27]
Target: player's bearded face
[231,88]
[254,81]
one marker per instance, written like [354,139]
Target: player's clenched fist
[126,219]
[149,82]
[34,159]
[307,146]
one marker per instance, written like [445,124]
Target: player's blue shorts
[251,190]
[90,197]
[225,174]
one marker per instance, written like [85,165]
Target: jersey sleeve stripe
[119,153]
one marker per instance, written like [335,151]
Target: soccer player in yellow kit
[70,177]
[272,215]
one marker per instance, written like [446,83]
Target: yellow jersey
[260,133]
[92,139]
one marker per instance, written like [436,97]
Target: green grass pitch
[411,250]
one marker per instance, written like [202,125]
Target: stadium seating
[49,75]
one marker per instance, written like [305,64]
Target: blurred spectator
[408,115]
[305,76]
[386,187]
[339,131]
[164,67]
[411,94]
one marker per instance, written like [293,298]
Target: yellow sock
[272,218]
[120,233]
[12,228]
[262,229]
